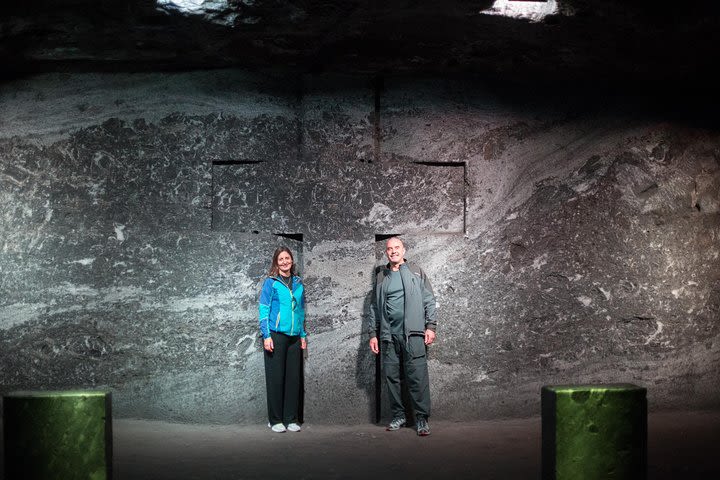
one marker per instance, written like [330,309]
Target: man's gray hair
[395,237]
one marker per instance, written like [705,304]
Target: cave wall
[568,241]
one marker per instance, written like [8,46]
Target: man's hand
[268,344]
[374,345]
[429,337]
[303,343]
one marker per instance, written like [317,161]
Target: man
[402,315]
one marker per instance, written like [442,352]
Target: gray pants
[409,358]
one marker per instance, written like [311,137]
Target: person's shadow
[367,369]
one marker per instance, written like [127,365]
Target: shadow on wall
[367,368]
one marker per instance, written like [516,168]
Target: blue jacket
[280,309]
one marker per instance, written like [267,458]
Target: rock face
[639,43]
[566,242]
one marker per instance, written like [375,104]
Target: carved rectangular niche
[339,200]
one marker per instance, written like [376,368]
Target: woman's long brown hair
[274,269]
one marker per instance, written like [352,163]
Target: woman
[282,325]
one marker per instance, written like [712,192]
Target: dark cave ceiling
[579,41]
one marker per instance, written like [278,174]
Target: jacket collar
[405,262]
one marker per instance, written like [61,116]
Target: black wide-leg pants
[283,369]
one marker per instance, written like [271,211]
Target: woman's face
[285,263]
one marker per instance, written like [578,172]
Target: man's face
[395,250]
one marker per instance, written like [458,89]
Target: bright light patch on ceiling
[192,6]
[213,11]
[533,11]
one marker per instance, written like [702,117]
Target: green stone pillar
[594,432]
[57,435]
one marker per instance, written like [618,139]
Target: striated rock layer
[567,242]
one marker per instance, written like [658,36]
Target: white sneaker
[294,427]
[278,427]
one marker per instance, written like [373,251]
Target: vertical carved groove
[379,86]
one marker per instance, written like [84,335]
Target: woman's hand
[303,343]
[268,344]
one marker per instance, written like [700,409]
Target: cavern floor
[680,446]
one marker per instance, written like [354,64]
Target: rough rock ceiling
[586,40]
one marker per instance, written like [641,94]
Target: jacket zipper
[292,312]
[292,322]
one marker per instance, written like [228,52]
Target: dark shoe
[423,428]
[396,424]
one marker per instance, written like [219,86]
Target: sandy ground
[680,446]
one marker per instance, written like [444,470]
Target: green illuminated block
[57,435]
[594,432]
